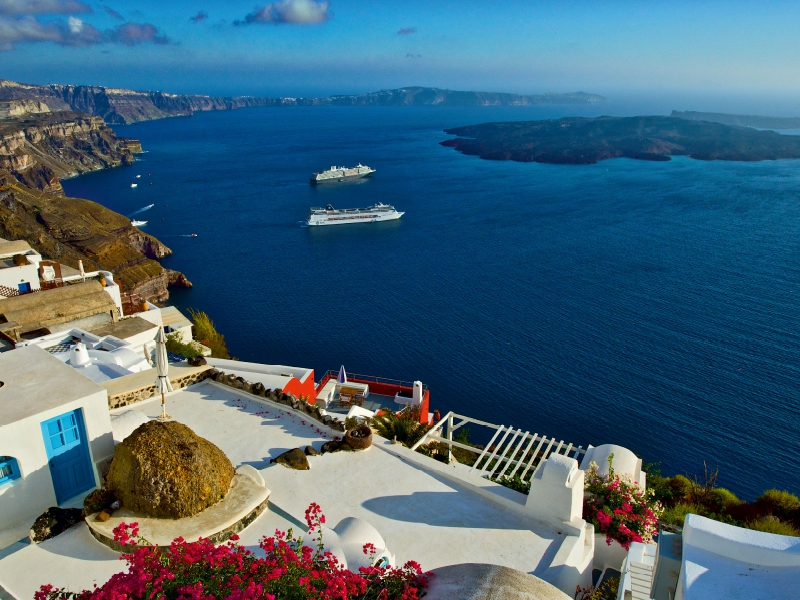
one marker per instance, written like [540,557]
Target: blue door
[68,454]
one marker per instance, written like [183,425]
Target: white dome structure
[124,424]
[624,462]
[346,542]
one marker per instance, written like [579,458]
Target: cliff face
[119,106]
[71,229]
[40,149]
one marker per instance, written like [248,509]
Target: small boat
[194,235]
[137,177]
[138,223]
[134,185]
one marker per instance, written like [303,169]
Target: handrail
[496,458]
[410,384]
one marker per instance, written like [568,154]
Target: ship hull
[351,220]
[337,179]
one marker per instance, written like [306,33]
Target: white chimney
[417,396]
[79,355]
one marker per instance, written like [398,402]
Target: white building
[18,278]
[55,431]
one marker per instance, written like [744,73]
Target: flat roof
[35,381]
[14,247]
[57,306]
[422,515]
[172,317]
[124,328]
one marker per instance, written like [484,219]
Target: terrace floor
[373,402]
[421,515]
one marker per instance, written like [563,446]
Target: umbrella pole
[164,415]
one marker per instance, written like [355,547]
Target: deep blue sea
[649,304]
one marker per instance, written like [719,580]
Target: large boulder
[165,470]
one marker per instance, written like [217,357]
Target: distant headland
[586,141]
[757,121]
[121,106]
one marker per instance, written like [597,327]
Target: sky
[319,47]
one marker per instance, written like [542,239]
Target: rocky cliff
[71,229]
[118,106]
[40,149]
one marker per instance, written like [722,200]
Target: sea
[653,305]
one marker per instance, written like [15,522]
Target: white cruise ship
[332,216]
[342,173]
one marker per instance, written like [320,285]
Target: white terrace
[426,511]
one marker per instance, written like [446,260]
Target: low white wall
[556,495]
[27,497]
[225,365]
[738,543]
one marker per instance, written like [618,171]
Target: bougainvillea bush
[288,570]
[619,508]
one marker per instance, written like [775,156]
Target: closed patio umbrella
[162,371]
[342,378]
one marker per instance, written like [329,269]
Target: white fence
[509,453]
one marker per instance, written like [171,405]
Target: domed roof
[483,582]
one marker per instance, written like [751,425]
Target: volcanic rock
[294,459]
[311,451]
[53,521]
[334,446]
[165,470]
[97,500]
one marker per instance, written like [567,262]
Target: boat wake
[141,210]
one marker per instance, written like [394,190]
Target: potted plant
[360,437]
[621,512]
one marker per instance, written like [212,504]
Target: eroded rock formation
[165,470]
[41,149]
[71,229]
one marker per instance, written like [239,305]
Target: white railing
[516,454]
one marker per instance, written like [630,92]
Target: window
[8,469]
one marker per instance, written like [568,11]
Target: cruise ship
[342,173]
[332,216]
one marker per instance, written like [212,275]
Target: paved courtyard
[422,515]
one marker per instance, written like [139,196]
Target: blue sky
[307,47]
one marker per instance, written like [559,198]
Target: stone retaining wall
[134,396]
[258,389]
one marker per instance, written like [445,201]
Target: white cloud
[74,32]
[75,24]
[42,7]
[296,12]
[29,29]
